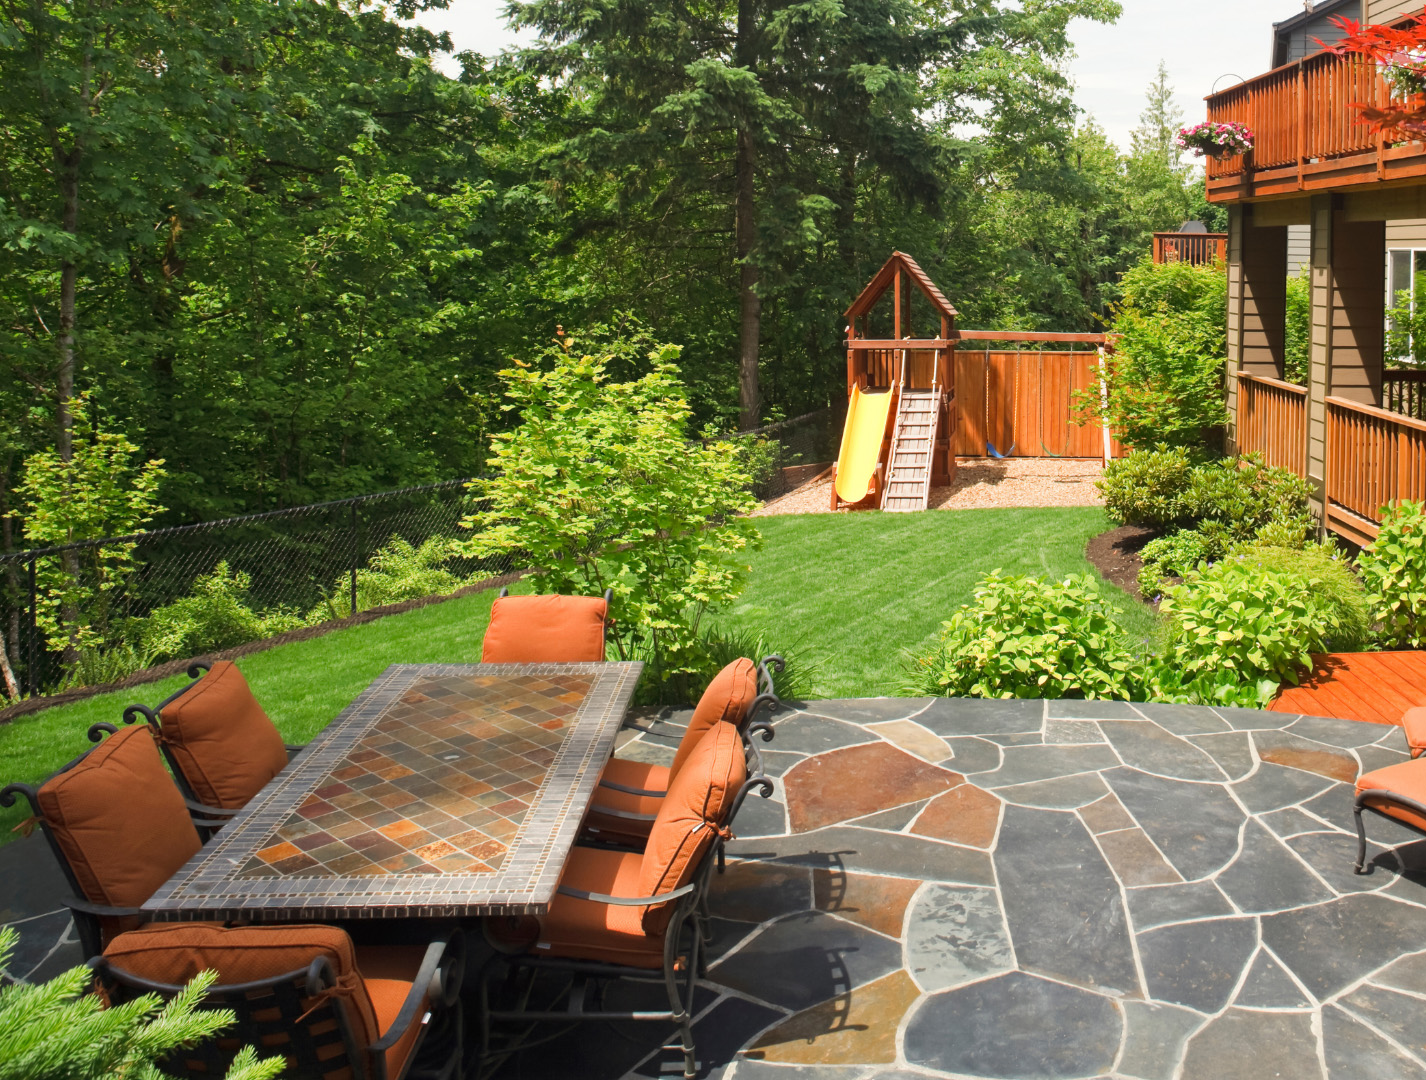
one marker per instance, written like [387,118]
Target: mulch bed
[1115,554]
[304,633]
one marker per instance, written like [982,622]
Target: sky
[1202,42]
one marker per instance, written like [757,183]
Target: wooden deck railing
[1272,421]
[1404,392]
[1373,457]
[1307,134]
[1195,249]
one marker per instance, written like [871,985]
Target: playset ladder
[908,475]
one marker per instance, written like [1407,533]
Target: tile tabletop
[443,790]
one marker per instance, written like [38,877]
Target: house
[1319,178]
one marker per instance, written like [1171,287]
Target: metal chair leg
[1361,840]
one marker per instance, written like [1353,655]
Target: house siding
[1385,10]
[1301,40]
[1299,249]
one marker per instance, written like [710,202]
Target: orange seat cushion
[377,979]
[697,804]
[1407,778]
[545,630]
[589,930]
[635,774]
[725,701]
[221,739]
[120,820]
[1414,721]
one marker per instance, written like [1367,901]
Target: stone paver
[1023,890]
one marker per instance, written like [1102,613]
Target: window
[1405,304]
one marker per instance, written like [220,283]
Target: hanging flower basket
[1215,140]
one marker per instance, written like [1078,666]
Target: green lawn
[858,590]
[852,591]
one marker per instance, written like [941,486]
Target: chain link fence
[264,573]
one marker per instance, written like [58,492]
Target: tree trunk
[68,287]
[750,320]
[750,306]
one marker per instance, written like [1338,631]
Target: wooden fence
[1373,457]
[1404,392]
[1272,421]
[1022,404]
[1195,249]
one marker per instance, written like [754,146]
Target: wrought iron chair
[118,826]
[218,740]
[630,792]
[631,916]
[546,629]
[334,1010]
[1397,792]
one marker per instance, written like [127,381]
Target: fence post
[32,652]
[356,557]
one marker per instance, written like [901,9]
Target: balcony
[1308,137]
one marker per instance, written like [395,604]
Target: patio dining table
[442,791]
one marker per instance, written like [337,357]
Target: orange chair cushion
[545,630]
[377,980]
[635,774]
[725,701]
[120,820]
[589,930]
[1414,721]
[221,739]
[697,803]
[1406,778]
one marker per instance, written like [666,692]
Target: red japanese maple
[1400,51]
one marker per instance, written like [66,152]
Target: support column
[1257,304]
[1348,323]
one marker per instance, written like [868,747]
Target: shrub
[1336,587]
[94,665]
[1393,569]
[1297,351]
[600,488]
[1170,556]
[1024,637]
[1242,617]
[1165,377]
[1244,495]
[718,648]
[58,1030]
[215,616]
[1147,487]
[399,571]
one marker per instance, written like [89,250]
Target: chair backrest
[296,991]
[545,630]
[697,805]
[725,701]
[218,738]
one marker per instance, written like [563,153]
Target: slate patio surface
[1020,890]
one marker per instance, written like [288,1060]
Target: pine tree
[60,1031]
[1159,122]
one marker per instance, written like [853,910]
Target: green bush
[1297,351]
[600,487]
[399,571]
[1165,376]
[1393,569]
[1243,495]
[1170,556]
[719,648]
[1252,620]
[95,665]
[215,616]
[1024,637]
[1147,487]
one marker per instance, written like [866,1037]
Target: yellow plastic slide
[861,443]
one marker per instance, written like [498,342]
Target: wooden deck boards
[1373,687]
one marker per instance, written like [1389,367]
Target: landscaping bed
[1115,554]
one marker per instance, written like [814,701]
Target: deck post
[1257,305]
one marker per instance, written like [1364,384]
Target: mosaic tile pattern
[451,789]
[1050,890]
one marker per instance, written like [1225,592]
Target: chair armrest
[415,1001]
[101,910]
[1414,721]
[628,901]
[626,815]
[206,810]
[633,790]
[293,749]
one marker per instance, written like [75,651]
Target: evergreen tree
[1159,123]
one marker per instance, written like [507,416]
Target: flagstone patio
[1020,890]
[1063,889]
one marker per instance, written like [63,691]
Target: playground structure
[916,403]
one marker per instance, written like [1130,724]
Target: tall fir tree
[1159,123]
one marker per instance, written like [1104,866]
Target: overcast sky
[1202,42]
